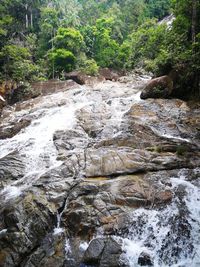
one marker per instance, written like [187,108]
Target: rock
[28,222]
[81,78]
[118,165]
[11,168]
[93,122]
[56,184]
[50,253]
[2,104]
[52,86]
[14,128]
[94,252]
[77,76]
[100,202]
[102,251]
[109,74]
[21,93]
[145,259]
[160,87]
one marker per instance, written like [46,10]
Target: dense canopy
[42,39]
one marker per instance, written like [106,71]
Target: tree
[68,12]
[17,64]
[69,39]
[62,59]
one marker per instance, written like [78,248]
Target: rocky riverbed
[94,176]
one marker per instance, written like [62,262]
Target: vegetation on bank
[43,39]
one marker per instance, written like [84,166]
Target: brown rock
[109,74]
[52,86]
[160,87]
[77,76]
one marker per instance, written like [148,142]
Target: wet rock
[11,168]
[14,128]
[2,103]
[56,184]
[94,251]
[111,162]
[119,157]
[102,251]
[27,223]
[102,202]
[93,120]
[145,259]
[50,253]
[161,87]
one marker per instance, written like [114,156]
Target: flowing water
[170,236]
[34,145]
[154,231]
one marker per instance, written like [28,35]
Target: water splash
[11,192]
[34,145]
[58,229]
[170,235]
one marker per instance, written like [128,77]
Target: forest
[104,171]
[43,39]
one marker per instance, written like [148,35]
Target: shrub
[90,67]
[62,59]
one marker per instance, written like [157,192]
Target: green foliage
[68,12]
[48,25]
[17,64]
[5,22]
[99,43]
[38,37]
[158,8]
[24,71]
[182,46]
[62,59]
[89,67]
[106,50]
[70,39]
[124,55]
[147,44]
[14,53]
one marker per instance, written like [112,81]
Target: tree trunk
[31,18]
[52,48]
[194,19]
[26,7]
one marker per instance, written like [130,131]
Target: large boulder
[83,79]
[77,76]
[25,222]
[160,87]
[102,251]
[109,74]
[52,86]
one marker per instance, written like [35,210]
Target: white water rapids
[34,144]
[163,235]
[151,231]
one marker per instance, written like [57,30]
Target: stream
[97,163]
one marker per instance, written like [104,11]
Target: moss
[158,90]
[181,150]
[157,149]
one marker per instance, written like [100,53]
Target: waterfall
[168,235]
[108,136]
